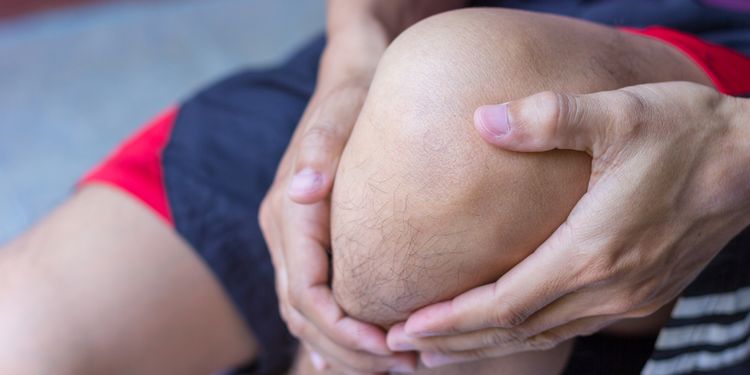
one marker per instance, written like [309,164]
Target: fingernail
[437,359]
[317,361]
[306,181]
[404,368]
[493,119]
[398,340]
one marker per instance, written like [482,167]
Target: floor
[74,82]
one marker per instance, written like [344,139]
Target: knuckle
[628,117]
[589,330]
[296,297]
[365,363]
[264,215]
[319,136]
[559,113]
[544,341]
[268,207]
[620,306]
[597,268]
[632,101]
[495,338]
[484,353]
[507,316]
[317,299]
[502,337]
[550,107]
[296,327]
[597,272]
[568,113]
[641,312]
[284,312]
[631,299]
[437,346]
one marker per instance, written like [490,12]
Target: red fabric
[136,165]
[729,70]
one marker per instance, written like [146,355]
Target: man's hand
[669,188]
[295,213]
[295,222]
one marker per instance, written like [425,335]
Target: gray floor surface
[74,82]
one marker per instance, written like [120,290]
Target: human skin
[104,286]
[670,192]
[294,215]
[422,208]
[80,294]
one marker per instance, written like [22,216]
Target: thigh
[103,285]
[162,239]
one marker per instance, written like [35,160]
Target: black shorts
[205,165]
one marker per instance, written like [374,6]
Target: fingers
[563,311]
[541,278]
[341,341]
[552,120]
[325,135]
[543,341]
[309,293]
[312,312]
[343,357]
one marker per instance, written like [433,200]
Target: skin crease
[419,196]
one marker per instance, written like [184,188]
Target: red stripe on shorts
[728,69]
[136,166]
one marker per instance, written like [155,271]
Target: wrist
[393,15]
[353,52]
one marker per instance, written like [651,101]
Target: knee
[422,209]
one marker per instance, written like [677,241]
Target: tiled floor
[74,82]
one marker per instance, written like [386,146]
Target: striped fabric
[709,330]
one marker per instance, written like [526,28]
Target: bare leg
[102,286]
[422,208]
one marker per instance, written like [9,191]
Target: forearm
[359,31]
[391,16]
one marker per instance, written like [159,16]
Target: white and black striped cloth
[709,331]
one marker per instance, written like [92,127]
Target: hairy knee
[422,209]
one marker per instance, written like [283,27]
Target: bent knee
[422,208]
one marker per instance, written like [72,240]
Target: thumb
[550,120]
[321,145]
